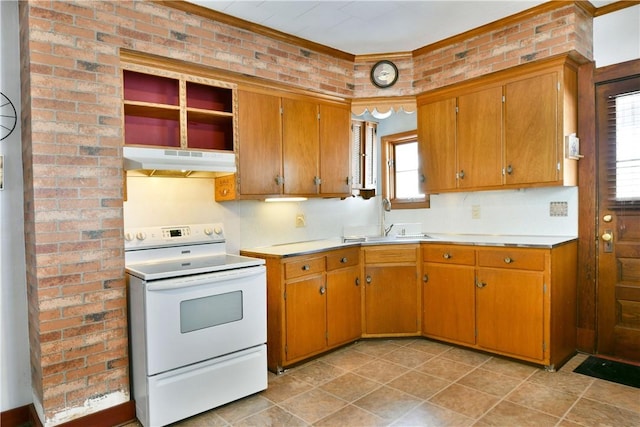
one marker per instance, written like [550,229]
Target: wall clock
[8,116]
[384,74]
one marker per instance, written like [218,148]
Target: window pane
[627,112]
[406,171]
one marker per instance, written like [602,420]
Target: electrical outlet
[475,212]
[300,220]
[558,209]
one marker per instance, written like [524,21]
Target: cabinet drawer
[303,267]
[449,254]
[521,259]
[343,258]
[390,254]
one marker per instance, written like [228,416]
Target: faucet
[387,230]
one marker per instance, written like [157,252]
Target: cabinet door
[437,141]
[300,146]
[510,309]
[391,303]
[335,149]
[479,139]
[344,306]
[306,317]
[531,130]
[449,302]
[260,143]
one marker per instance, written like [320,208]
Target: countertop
[311,246]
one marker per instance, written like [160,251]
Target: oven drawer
[303,267]
[343,258]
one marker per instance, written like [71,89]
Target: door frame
[588,77]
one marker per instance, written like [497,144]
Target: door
[335,150]
[449,302]
[479,141]
[437,142]
[344,306]
[618,291]
[300,133]
[390,299]
[259,143]
[531,130]
[306,317]
[510,311]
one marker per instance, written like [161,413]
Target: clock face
[8,116]
[384,74]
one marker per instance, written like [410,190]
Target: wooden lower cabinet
[391,291]
[519,302]
[313,304]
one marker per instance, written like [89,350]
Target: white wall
[616,36]
[15,372]
[251,224]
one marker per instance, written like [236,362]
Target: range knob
[208,231]
[218,230]
[141,236]
[128,236]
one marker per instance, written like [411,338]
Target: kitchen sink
[386,239]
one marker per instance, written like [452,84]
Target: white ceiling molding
[383,107]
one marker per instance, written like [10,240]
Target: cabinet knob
[509,169]
[317,180]
[425,278]
[508,260]
[446,255]
[368,279]
[422,178]
[480,284]
[322,290]
[461,174]
[306,267]
[357,281]
[279,180]
[343,260]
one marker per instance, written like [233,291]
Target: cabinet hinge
[544,288]
[504,99]
[457,109]
[318,116]
[285,294]
[281,110]
[558,86]
[558,166]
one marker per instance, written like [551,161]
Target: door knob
[607,236]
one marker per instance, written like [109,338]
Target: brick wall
[72,134]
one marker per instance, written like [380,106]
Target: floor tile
[284,387]
[542,398]
[614,394]
[418,384]
[348,359]
[242,408]
[431,347]
[489,382]
[510,368]
[388,403]
[464,400]
[376,348]
[350,387]
[274,416]
[592,413]
[444,368]
[317,373]
[510,414]
[313,405]
[428,414]
[569,382]
[467,357]
[407,357]
[351,416]
[381,371]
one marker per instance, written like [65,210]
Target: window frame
[388,144]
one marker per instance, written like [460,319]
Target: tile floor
[417,382]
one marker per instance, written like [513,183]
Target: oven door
[195,318]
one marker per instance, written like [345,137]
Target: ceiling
[372,27]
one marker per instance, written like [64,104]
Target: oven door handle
[204,279]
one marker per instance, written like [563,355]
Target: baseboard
[114,416]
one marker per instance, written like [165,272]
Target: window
[401,174]
[363,155]
[619,115]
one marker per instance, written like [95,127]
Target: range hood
[140,158]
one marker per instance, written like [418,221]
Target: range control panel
[161,236]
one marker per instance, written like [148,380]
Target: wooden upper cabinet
[437,144]
[509,130]
[335,159]
[479,140]
[260,144]
[300,132]
[531,130]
